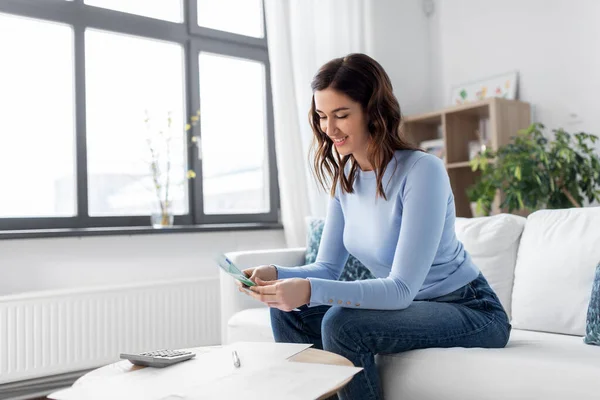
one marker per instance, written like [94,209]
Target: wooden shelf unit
[457,126]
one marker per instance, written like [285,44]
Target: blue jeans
[471,316]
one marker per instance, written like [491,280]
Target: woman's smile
[339,141]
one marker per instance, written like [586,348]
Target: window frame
[193,39]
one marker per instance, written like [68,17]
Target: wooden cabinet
[495,120]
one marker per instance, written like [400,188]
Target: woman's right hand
[262,272]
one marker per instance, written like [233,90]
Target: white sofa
[542,269]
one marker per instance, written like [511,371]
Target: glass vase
[162,220]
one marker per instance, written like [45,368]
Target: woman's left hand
[284,294]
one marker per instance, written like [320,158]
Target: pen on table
[236,359]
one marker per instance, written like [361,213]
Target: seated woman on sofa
[392,207]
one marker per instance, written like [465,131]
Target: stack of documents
[264,373]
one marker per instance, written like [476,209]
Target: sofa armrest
[233,301]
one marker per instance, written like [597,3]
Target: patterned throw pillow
[592,330]
[354,270]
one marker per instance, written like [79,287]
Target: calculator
[158,358]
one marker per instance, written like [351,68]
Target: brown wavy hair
[361,78]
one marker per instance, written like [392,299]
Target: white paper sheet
[285,380]
[261,354]
[159,383]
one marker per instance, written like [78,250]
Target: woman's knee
[337,327]
[279,319]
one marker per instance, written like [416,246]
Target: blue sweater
[408,242]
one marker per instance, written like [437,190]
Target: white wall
[40,264]
[554,44]
[400,43]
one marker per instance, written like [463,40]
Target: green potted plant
[481,197]
[534,172]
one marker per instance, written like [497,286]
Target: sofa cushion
[492,243]
[353,270]
[592,328]
[557,257]
[534,365]
[250,325]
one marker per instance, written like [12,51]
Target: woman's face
[344,122]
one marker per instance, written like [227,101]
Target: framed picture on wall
[502,85]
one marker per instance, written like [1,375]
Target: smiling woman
[391,207]
[343,123]
[354,109]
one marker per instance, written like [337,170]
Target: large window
[88,85]
[168,10]
[37,130]
[245,20]
[123,75]
[235,174]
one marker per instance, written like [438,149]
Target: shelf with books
[456,134]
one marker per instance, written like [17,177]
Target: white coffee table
[309,355]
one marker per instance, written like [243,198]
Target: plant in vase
[481,197]
[159,142]
[534,172]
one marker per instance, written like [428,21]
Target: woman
[391,207]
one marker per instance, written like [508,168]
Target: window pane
[171,10]
[233,127]
[243,17]
[125,76]
[37,146]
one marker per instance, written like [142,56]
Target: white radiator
[48,333]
